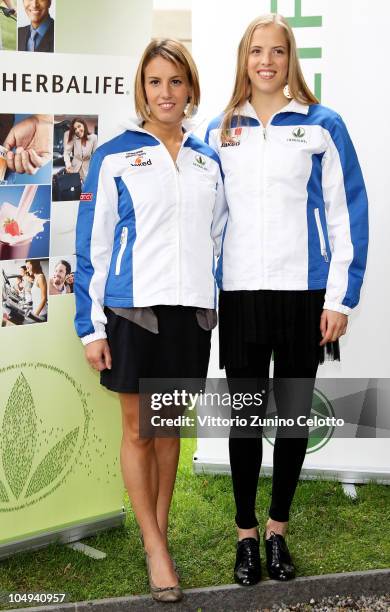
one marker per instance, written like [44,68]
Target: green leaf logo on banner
[53,464]
[19,436]
[40,443]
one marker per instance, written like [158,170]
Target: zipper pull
[264,133]
[177,167]
[325,255]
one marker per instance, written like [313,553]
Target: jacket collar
[247,110]
[135,125]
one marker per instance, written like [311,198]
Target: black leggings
[292,398]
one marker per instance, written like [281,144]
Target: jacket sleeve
[67,149]
[220,212]
[347,219]
[97,219]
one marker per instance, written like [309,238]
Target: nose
[266,58]
[165,90]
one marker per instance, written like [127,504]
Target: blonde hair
[242,87]
[175,52]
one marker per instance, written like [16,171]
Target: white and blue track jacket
[297,204]
[146,228]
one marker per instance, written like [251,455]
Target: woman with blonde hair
[292,265]
[144,284]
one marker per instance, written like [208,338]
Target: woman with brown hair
[38,289]
[79,146]
[292,264]
[144,285]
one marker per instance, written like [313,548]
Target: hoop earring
[147,108]
[286,92]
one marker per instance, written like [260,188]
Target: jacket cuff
[99,335]
[337,307]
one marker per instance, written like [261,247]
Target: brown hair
[36,267]
[72,130]
[299,90]
[175,52]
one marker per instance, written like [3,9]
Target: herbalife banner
[330,37]
[62,94]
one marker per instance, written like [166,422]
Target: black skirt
[180,349]
[273,318]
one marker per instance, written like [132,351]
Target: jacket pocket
[123,242]
[321,236]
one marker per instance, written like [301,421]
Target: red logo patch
[237,131]
[86,197]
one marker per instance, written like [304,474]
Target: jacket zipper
[324,252]
[123,243]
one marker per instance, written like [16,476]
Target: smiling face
[268,60]
[78,129]
[167,90]
[37,11]
[59,275]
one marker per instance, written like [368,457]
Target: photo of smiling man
[38,35]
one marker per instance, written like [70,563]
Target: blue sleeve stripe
[357,209]
[84,269]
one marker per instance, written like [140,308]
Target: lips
[167,105]
[266,74]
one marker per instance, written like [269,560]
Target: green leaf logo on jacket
[298,132]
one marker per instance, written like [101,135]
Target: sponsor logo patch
[298,133]
[86,197]
[200,162]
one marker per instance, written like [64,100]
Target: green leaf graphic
[3,493]
[54,463]
[19,435]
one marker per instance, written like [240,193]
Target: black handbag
[66,186]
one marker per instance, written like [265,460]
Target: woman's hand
[68,169]
[332,325]
[98,355]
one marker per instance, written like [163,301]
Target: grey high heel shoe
[166,594]
[141,537]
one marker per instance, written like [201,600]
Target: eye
[154,82]
[176,82]
[279,51]
[255,51]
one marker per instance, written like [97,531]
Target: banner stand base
[342,475]
[65,536]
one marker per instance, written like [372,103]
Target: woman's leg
[140,471]
[293,398]
[167,451]
[246,452]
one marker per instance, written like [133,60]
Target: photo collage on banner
[25,210]
[44,162]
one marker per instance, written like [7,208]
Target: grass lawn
[8,31]
[328,533]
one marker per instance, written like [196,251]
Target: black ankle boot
[279,562]
[247,570]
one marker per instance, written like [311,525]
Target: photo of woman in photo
[294,256]
[79,145]
[75,141]
[24,291]
[144,287]
[38,289]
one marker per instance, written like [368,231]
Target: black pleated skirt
[273,318]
